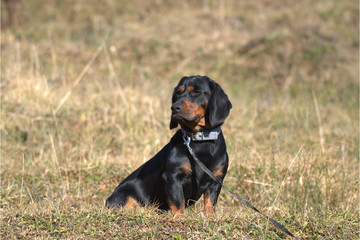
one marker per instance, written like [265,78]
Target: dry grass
[85,98]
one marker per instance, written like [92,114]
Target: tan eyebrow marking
[182,89]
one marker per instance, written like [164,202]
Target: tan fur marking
[186,167]
[199,111]
[208,206]
[177,211]
[202,122]
[206,104]
[191,88]
[131,203]
[193,110]
[190,107]
[218,172]
[182,89]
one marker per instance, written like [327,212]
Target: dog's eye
[178,93]
[195,93]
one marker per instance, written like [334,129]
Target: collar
[205,135]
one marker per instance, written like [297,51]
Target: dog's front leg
[174,194]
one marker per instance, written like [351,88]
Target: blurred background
[85,99]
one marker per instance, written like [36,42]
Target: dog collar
[205,135]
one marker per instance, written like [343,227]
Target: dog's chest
[196,181]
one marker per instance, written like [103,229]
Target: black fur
[171,179]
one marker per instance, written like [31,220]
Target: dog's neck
[205,135]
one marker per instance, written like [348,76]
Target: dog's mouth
[189,115]
[194,124]
[183,119]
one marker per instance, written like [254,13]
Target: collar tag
[206,135]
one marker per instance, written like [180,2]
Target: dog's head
[199,103]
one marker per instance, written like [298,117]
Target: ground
[85,99]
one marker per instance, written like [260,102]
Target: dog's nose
[176,107]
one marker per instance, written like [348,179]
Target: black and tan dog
[171,179]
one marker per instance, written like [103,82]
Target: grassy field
[85,99]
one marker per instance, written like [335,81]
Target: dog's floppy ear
[219,105]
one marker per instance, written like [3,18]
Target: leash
[187,140]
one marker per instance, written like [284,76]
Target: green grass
[85,100]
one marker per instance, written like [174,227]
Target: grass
[85,100]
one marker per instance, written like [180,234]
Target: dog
[171,180]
